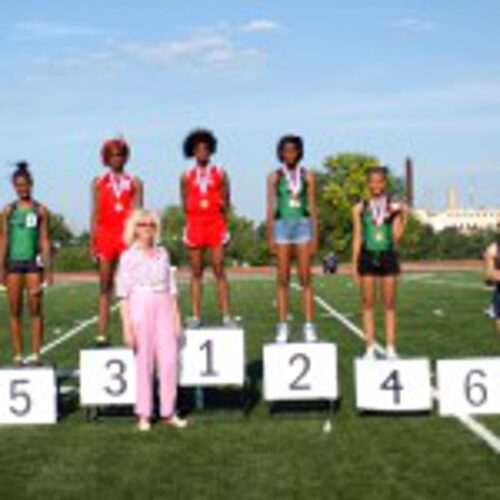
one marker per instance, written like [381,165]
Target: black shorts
[23,267]
[496,303]
[378,263]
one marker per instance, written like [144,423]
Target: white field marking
[69,334]
[418,276]
[476,427]
[448,283]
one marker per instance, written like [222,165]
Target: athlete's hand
[129,338]
[3,277]
[273,248]
[356,278]
[49,278]
[313,247]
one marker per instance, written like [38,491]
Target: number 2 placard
[393,386]
[107,377]
[469,386]
[213,357]
[28,396]
[300,372]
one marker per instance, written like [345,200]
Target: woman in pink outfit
[146,285]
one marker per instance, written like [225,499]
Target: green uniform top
[24,233]
[377,238]
[289,206]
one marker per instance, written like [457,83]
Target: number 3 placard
[300,372]
[469,386]
[213,357]
[28,396]
[107,377]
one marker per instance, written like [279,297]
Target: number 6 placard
[28,396]
[300,372]
[107,377]
[469,386]
[213,357]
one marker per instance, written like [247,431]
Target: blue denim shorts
[293,231]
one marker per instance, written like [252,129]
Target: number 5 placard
[28,396]
[213,357]
[300,372]
[107,377]
[469,386]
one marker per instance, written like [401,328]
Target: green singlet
[376,238]
[24,233]
[287,206]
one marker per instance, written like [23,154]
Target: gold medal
[204,204]
[119,207]
[294,202]
[379,236]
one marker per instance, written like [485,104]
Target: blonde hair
[129,235]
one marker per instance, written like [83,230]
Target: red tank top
[204,193]
[115,200]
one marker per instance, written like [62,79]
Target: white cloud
[43,29]
[416,25]
[260,26]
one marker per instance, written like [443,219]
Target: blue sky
[390,78]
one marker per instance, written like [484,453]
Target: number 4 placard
[469,386]
[300,372]
[107,377]
[399,385]
[28,396]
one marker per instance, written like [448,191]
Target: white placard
[402,385]
[107,377]
[300,372]
[28,396]
[469,386]
[212,357]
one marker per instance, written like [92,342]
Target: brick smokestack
[410,182]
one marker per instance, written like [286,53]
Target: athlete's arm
[226,192]
[183,191]
[45,245]
[3,244]
[400,221]
[93,216]
[490,273]
[138,193]
[313,210]
[356,239]
[270,204]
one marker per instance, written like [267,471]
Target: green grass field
[376,457]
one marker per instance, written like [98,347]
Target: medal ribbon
[203,180]
[379,209]
[293,179]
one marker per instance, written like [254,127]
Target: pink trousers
[156,346]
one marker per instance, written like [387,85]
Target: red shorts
[108,245]
[205,232]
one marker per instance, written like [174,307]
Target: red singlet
[206,225]
[115,203]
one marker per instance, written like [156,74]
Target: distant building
[466,220]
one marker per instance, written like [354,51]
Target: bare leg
[305,279]
[15,284]
[389,284]
[35,306]
[196,259]
[283,254]
[106,275]
[221,279]
[368,299]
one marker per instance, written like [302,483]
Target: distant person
[115,194]
[146,285]
[330,264]
[492,274]
[25,261]
[379,223]
[292,231]
[206,201]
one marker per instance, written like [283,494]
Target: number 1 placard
[213,357]
[107,377]
[469,386]
[28,396]
[393,386]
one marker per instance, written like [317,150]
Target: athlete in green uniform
[292,229]
[25,261]
[379,225]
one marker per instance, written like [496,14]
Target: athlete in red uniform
[114,196]
[206,200]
